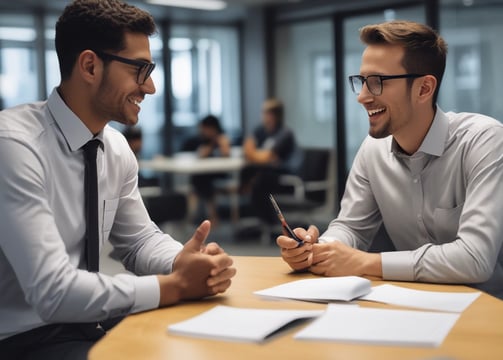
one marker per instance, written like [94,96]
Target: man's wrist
[170,289]
[373,265]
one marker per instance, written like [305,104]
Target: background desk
[186,164]
[478,334]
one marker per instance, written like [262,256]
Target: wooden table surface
[478,334]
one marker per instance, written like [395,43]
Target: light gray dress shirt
[42,266]
[442,206]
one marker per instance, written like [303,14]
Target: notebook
[240,324]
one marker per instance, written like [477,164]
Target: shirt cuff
[397,265]
[148,293]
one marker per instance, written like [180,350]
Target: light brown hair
[425,50]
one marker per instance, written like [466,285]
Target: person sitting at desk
[69,183]
[211,141]
[134,137]
[432,178]
[270,152]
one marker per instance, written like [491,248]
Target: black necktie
[91,205]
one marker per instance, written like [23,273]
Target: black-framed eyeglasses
[145,68]
[374,82]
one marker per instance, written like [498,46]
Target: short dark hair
[97,25]
[425,50]
[212,122]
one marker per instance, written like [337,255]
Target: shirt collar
[435,140]
[73,129]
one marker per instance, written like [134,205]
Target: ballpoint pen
[286,228]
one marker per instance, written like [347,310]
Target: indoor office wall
[304,72]
[254,73]
[473,77]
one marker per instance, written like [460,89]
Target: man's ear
[428,84]
[89,66]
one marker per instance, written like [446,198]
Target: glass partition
[305,80]
[18,61]
[205,79]
[472,80]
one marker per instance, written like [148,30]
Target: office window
[305,80]
[152,114]
[52,75]
[204,79]
[472,80]
[18,62]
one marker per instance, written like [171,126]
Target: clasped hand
[328,259]
[199,270]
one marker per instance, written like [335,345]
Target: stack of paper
[339,322]
[240,324]
[380,326]
[343,288]
[348,288]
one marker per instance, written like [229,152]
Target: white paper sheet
[431,300]
[380,326]
[239,324]
[344,288]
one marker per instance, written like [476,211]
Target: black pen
[286,228]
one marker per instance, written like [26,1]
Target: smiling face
[118,96]
[390,113]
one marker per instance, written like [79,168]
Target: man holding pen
[433,179]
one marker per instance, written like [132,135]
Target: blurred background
[226,57]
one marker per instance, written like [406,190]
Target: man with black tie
[60,201]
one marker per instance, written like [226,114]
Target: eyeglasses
[374,82]
[145,68]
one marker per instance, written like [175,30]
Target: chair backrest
[315,185]
[315,164]
[318,174]
[167,207]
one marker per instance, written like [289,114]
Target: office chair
[310,193]
[314,187]
[167,207]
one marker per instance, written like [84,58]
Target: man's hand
[299,257]
[198,270]
[339,259]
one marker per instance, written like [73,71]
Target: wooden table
[478,334]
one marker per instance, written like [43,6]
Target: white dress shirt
[442,206]
[42,224]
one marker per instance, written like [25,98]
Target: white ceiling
[62,3]
[235,9]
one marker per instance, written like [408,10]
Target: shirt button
[415,181]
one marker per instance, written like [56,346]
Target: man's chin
[128,122]
[378,133]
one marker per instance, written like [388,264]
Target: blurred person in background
[270,152]
[211,141]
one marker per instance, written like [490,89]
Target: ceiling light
[193,4]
